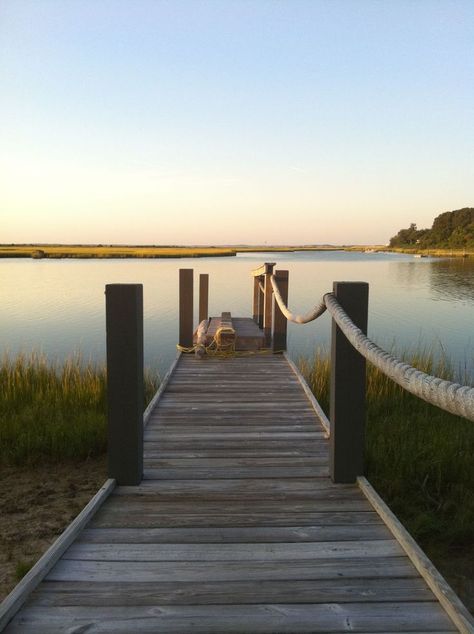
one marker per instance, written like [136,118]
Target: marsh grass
[22,568]
[53,412]
[418,457]
[101,251]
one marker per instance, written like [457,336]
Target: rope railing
[452,397]
[313,314]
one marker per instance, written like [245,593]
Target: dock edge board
[152,404]
[20,593]
[17,597]
[452,604]
[323,419]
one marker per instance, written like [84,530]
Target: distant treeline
[451,229]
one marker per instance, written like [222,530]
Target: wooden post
[256,300]
[124,328]
[347,397]
[186,307]
[203,297]
[260,303]
[280,323]
[267,304]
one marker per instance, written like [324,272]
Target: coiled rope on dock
[452,397]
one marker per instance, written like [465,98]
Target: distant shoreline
[58,251]
[65,251]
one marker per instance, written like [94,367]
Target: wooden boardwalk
[236,526]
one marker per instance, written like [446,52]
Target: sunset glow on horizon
[218,122]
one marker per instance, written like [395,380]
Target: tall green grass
[418,457]
[53,412]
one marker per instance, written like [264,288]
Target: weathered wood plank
[260,486]
[168,431]
[253,535]
[250,472]
[442,590]
[283,618]
[153,458]
[196,519]
[239,452]
[146,507]
[149,571]
[311,499]
[364,590]
[213,436]
[236,526]
[225,443]
[234,552]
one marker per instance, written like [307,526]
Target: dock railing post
[260,303]
[125,392]
[348,384]
[203,297]
[267,303]
[186,307]
[280,323]
[256,300]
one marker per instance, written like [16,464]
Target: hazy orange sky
[218,122]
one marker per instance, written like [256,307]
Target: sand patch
[36,505]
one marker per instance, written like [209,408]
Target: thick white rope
[452,397]
[297,319]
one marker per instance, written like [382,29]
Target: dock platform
[236,526]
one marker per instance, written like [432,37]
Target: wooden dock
[236,526]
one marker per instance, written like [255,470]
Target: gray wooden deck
[236,526]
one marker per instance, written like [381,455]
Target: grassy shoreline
[77,251]
[418,457]
[50,412]
[435,252]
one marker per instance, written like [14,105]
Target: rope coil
[219,347]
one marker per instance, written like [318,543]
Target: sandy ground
[36,505]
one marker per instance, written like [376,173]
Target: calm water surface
[58,306]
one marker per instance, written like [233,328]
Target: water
[58,306]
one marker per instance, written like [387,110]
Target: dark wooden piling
[268,303]
[124,325]
[203,297]
[186,307]
[260,302]
[256,300]
[347,398]
[279,320]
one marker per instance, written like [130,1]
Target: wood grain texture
[257,619]
[236,526]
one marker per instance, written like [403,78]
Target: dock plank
[236,526]
[237,619]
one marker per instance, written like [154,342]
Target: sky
[231,122]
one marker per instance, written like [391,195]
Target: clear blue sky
[144,121]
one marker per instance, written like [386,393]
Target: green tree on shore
[451,229]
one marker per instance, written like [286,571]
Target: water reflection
[453,279]
[58,305]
